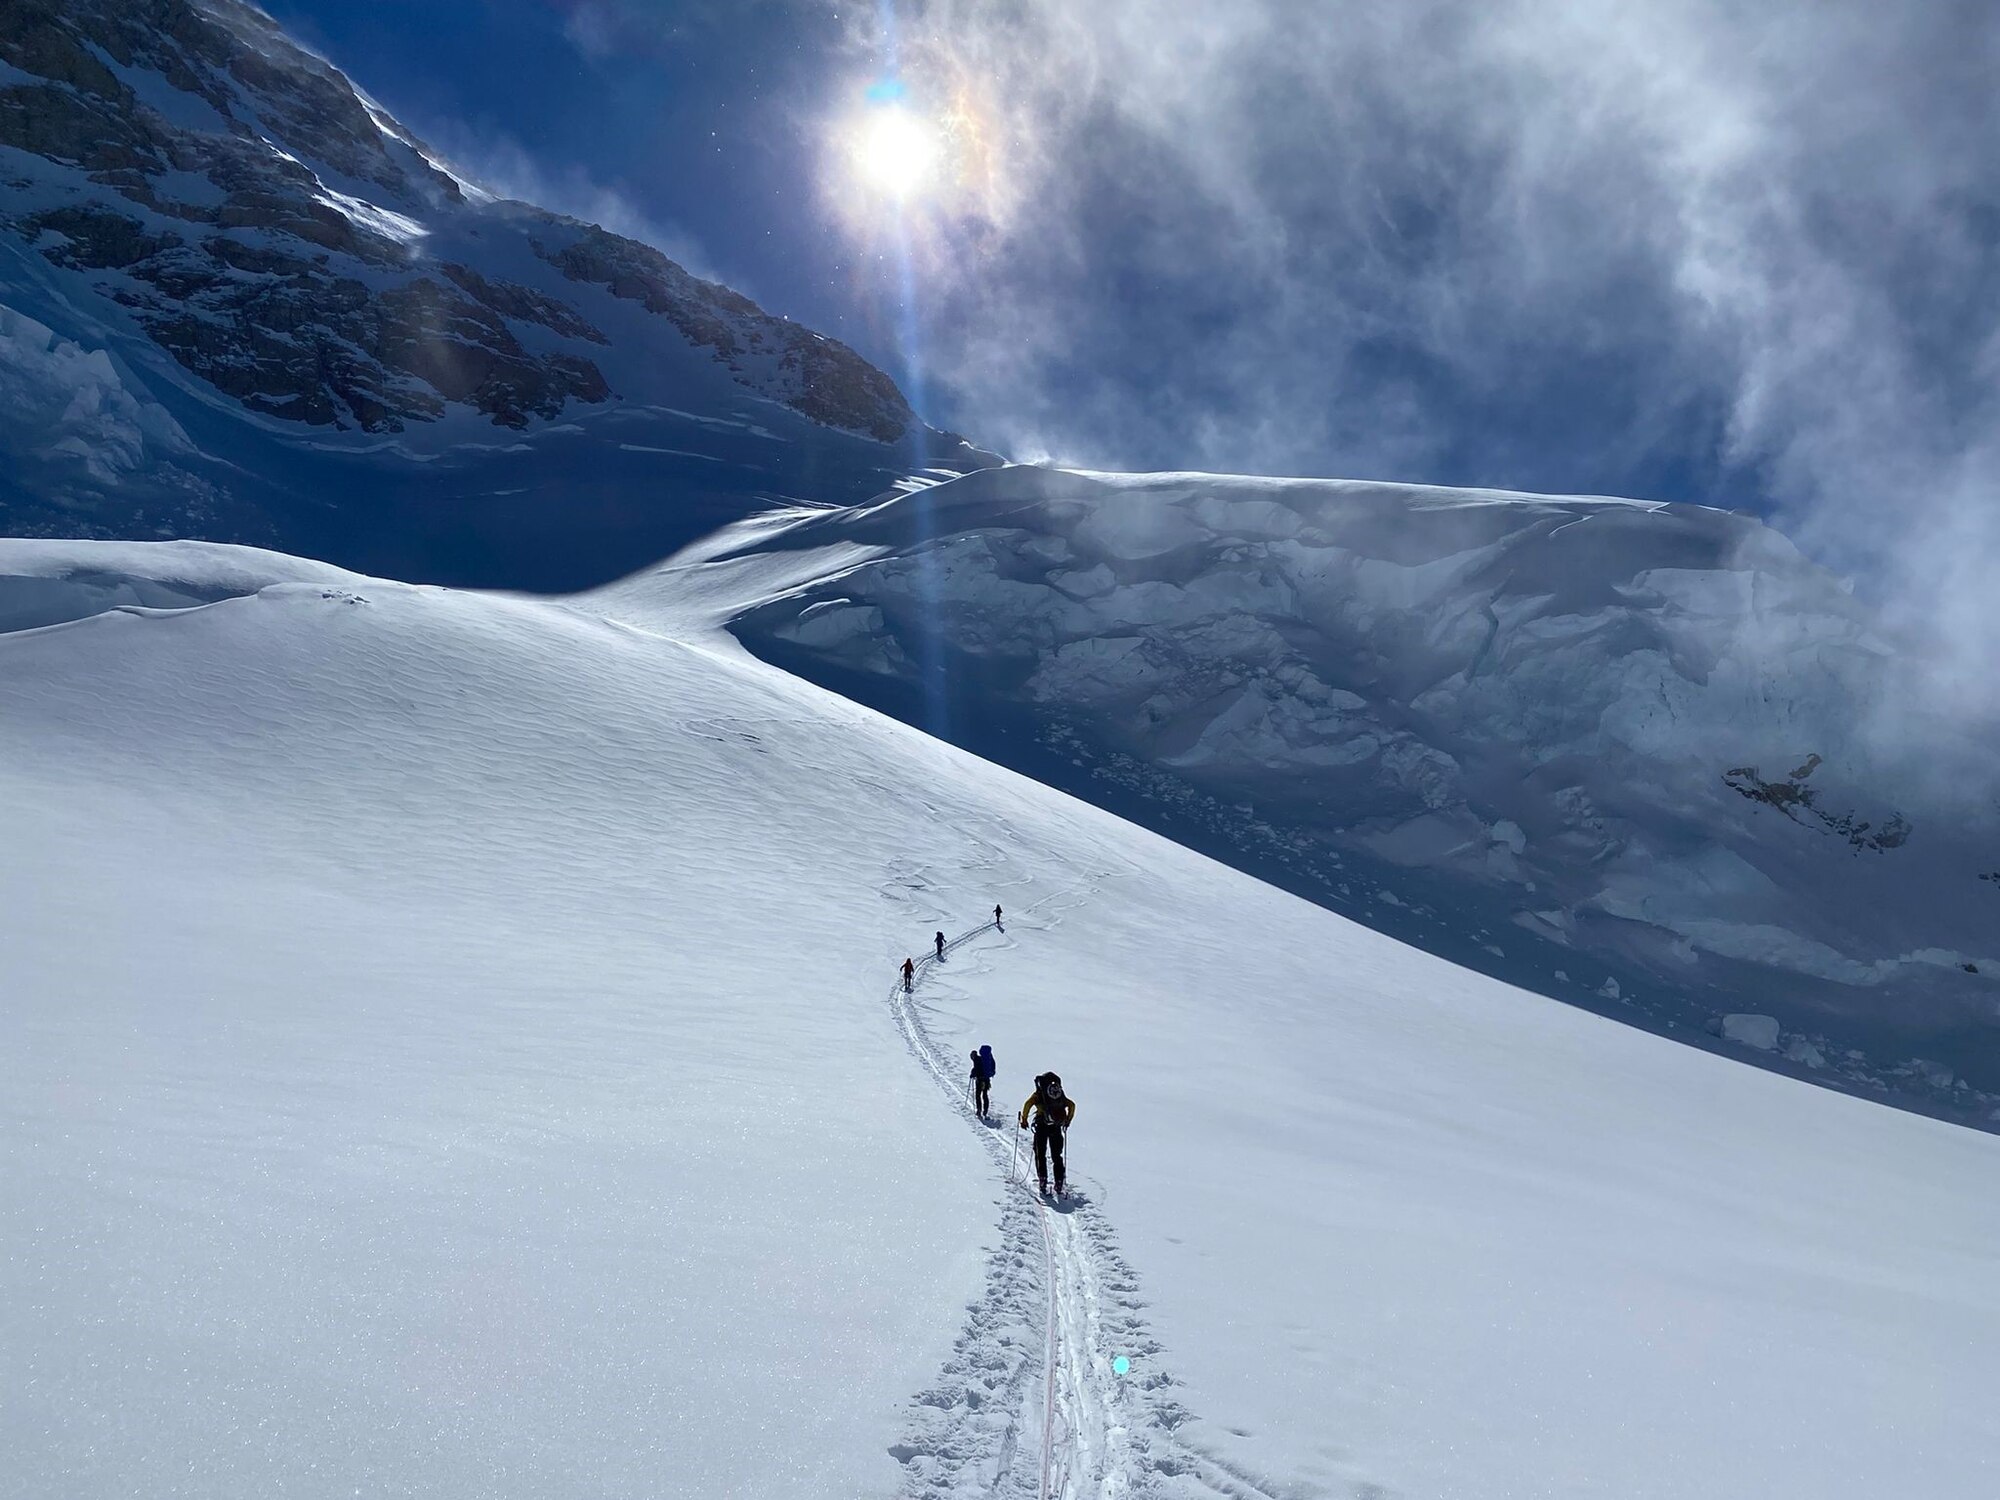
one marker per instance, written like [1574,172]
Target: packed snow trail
[1092,1438]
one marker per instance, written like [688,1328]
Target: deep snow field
[452,1050]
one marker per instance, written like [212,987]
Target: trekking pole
[1014,1166]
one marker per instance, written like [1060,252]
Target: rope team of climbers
[1049,1107]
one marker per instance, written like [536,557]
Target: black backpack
[1049,1087]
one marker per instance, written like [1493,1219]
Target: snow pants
[982,1092]
[1048,1143]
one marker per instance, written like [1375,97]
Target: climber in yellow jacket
[1053,1110]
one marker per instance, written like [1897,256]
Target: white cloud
[1489,241]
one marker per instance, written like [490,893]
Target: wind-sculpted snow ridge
[1642,756]
[53,583]
[277,296]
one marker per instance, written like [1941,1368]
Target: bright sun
[895,152]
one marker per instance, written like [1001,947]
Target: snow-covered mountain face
[1646,757]
[238,300]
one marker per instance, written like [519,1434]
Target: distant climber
[909,974]
[940,947]
[982,1079]
[996,916]
[1053,1110]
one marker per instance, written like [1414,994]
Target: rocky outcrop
[290,336]
[1800,802]
[363,353]
[268,227]
[233,254]
[523,305]
[94,239]
[810,373]
[464,352]
[229,56]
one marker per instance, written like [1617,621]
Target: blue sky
[1742,254]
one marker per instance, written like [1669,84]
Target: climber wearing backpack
[982,1079]
[909,973]
[1053,1110]
[940,947]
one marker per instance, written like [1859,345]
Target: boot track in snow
[1028,1403]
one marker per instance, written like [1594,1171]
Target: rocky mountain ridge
[178,178]
[225,229]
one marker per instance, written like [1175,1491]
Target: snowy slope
[455,1052]
[1646,757]
[239,301]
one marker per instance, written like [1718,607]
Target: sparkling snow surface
[451,1051]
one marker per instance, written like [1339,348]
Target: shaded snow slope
[454,1052]
[51,583]
[239,301]
[1639,755]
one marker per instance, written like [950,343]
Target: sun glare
[895,152]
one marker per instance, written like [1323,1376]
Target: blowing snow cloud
[1739,254]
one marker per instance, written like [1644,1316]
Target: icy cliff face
[1642,751]
[186,191]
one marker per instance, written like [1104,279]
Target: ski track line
[1101,1435]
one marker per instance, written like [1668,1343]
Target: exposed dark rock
[464,351]
[306,220]
[834,385]
[527,306]
[96,238]
[308,98]
[269,236]
[286,307]
[818,376]
[1799,802]
[34,38]
[74,129]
